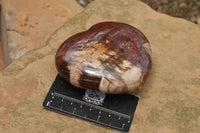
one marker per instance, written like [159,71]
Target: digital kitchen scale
[113,111]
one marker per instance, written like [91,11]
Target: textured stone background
[1,57]
[188,9]
[27,24]
[170,99]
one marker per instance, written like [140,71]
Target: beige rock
[170,99]
[27,24]
[2,64]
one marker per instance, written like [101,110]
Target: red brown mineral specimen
[110,57]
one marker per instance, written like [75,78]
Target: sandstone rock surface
[27,24]
[170,99]
[2,64]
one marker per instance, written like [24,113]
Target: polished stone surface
[110,57]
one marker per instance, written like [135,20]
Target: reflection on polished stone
[110,57]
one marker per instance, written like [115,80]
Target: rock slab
[27,24]
[169,101]
[2,64]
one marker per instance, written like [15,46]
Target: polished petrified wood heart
[110,57]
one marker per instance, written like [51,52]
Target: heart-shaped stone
[111,57]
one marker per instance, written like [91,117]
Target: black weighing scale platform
[114,111]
